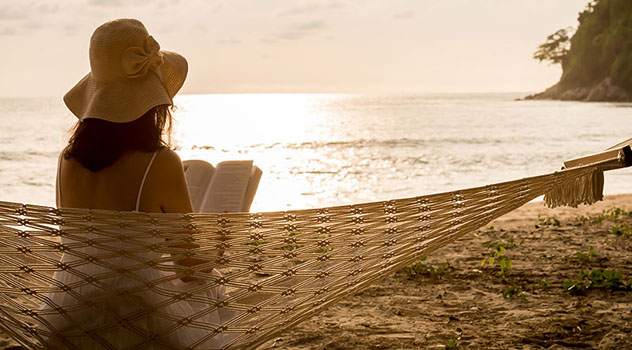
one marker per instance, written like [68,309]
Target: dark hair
[97,143]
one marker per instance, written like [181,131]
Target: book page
[198,175]
[251,190]
[228,187]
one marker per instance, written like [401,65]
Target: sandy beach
[453,298]
[463,301]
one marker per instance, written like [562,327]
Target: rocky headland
[604,91]
[596,58]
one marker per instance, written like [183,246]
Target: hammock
[277,268]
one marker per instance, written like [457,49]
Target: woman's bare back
[118,186]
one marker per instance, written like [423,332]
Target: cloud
[404,15]
[309,26]
[311,8]
[13,12]
[106,3]
[300,30]
[29,26]
[26,17]
[6,31]
[48,8]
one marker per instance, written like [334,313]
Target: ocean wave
[377,143]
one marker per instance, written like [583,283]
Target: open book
[229,187]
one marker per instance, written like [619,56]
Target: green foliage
[420,268]
[555,48]
[542,283]
[597,279]
[549,221]
[513,291]
[496,256]
[452,345]
[622,229]
[586,257]
[616,215]
[600,48]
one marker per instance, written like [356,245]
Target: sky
[302,46]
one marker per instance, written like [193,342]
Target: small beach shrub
[586,257]
[513,291]
[599,219]
[420,268]
[618,217]
[597,279]
[548,221]
[452,345]
[496,256]
[542,283]
[621,229]
[620,220]
[583,220]
[616,213]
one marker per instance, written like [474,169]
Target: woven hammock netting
[95,279]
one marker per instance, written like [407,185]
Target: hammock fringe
[585,189]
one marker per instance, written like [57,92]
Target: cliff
[598,64]
[605,91]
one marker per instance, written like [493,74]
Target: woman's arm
[173,195]
[170,187]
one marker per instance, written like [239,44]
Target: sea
[320,150]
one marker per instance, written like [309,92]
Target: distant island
[596,59]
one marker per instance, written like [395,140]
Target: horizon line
[383,93]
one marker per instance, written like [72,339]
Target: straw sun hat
[129,74]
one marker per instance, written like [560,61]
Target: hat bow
[137,60]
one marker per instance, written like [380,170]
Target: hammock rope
[259,273]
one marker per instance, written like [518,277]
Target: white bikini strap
[58,184]
[142,183]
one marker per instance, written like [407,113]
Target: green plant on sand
[586,257]
[420,268]
[496,257]
[452,345]
[548,221]
[597,279]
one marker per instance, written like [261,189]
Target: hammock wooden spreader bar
[95,279]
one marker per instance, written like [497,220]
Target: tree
[556,47]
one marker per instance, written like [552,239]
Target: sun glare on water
[320,150]
[271,129]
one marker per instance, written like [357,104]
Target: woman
[117,159]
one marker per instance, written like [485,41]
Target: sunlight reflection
[268,128]
[321,149]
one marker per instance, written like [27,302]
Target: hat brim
[125,100]
[174,72]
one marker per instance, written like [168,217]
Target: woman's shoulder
[167,163]
[168,157]
[166,183]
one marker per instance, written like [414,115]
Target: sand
[464,301]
